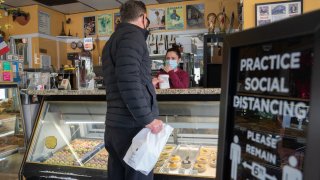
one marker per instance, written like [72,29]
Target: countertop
[199,91]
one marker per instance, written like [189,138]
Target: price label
[194,172]
[6,66]
[6,76]
[165,170]
[181,171]
[50,142]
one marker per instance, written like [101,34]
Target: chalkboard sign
[267,102]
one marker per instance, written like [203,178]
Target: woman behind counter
[178,78]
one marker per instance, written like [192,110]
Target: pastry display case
[68,139]
[12,142]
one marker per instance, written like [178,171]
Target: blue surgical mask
[172,63]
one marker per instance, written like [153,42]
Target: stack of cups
[165,81]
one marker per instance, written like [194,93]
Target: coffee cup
[164,84]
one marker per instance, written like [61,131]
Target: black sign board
[269,102]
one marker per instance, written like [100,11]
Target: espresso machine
[83,72]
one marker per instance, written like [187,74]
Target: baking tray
[64,156]
[98,160]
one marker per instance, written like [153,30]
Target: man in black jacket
[131,98]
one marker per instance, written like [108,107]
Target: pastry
[202,160]
[186,163]
[164,155]
[205,151]
[213,156]
[175,159]
[200,167]
[173,166]
[99,161]
[213,163]
[168,148]
[160,163]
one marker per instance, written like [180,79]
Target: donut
[213,163]
[202,160]
[200,167]
[173,166]
[186,164]
[175,159]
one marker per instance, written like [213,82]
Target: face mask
[172,63]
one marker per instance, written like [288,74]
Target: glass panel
[12,144]
[192,148]
[270,109]
[70,134]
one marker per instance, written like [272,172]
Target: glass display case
[12,141]
[69,134]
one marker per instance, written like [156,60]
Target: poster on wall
[174,18]
[89,26]
[195,16]
[157,19]
[271,12]
[117,20]
[104,23]
[270,110]
[44,23]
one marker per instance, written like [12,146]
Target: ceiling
[78,6]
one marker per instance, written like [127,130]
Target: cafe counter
[67,138]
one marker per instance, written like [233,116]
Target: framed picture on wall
[271,12]
[157,17]
[105,23]
[195,16]
[175,18]
[89,26]
[44,23]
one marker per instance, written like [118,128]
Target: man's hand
[155,126]
[156,81]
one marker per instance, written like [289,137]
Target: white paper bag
[145,149]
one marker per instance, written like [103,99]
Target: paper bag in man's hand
[145,149]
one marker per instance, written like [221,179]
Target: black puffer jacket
[131,98]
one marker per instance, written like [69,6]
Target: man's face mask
[145,22]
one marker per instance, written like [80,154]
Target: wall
[210,6]
[56,19]
[58,50]
[16,28]
[32,26]
[249,9]
[215,6]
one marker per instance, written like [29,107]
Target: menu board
[44,23]
[270,109]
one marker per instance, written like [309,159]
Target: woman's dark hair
[132,10]
[176,50]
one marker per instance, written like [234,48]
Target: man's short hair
[132,10]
